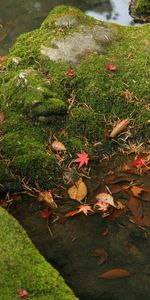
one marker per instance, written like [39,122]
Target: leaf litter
[123,197]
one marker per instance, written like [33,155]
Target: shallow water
[68,244]
[18,16]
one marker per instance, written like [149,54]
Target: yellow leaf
[119,127]
[48,198]
[106,198]
[78,191]
[58,146]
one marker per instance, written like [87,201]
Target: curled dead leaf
[58,146]
[78,191]
[72,213]
[135,206]
[141,220]
[48,198]
[115,273]
[102,254]
[119,127]
[105,197]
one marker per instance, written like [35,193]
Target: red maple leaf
[45,213]
[22,293]
[70,72]
[111,67]
[139,162]
[82,159]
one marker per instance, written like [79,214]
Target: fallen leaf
[48,198]
[72,213]
[82,159]
[139,162]
[141,220]
[102,254]
[116,213]
[111,67]
[105,231]
[112,179]
[135,206]
[22,293]
[106,198]
[115,273]
[136,190]
[116,188]
[119,205]
[70,72]
[101,205]
[85,209]
[119,127]
[1,117]
[78,191]
[46,213]
[58,146]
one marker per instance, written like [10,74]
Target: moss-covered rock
[42,100]
[22,266]
[140,10]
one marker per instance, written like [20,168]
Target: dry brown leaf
[116,214]
[136,190]
[119,205]
[116,188]
[115,273]
[72,213]
[58,146]
[135,206]
[142,220]
[85,209]
[119,127]
[48,198]
[78,191]
[102,254]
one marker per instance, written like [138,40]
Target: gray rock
[66,21]
[83,42]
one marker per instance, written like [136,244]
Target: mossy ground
[36,103]
[22,266]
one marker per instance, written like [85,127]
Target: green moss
[22,266]
[84,123]
[142,7]
[39,100]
